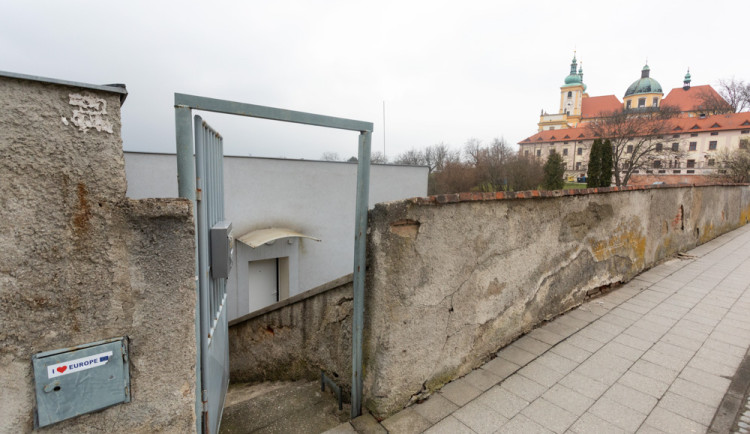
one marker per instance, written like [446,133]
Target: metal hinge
[198,194]
[204,399]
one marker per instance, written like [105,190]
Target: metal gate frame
[184,104]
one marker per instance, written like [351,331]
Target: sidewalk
[655,355]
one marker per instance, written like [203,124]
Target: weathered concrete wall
[296,338]
[81,263]
[453,278]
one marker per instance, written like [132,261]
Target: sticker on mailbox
[78,365]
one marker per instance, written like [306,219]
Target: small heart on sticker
[62,369]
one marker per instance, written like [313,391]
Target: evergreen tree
[605,173]
[595,164]
[554,170]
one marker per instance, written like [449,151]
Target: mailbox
[222,249]
[74,381]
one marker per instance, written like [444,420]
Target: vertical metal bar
[203,277]
[360,241]
[186,189]
[185,162]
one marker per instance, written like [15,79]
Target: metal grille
[209,154]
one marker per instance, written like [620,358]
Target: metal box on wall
[222,249]
[73,381]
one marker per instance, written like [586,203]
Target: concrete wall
[79,262]
[297,337]
[451,279]
[315,198]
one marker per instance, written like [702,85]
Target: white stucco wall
[312,197]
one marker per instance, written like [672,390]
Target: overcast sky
[447,71]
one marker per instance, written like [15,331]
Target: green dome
[572,79]
[645,84]
[575,78]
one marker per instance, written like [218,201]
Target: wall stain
[625,241]
[82,215]
[745,215]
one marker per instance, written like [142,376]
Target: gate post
[360,242]
[186,189]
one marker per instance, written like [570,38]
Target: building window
[655,102]
[578,165]
[657,164]
[628,104]
[693,134]
[693,146]
[676,136]
[551,151]
[629,149]
[675,147]
[745,132]
[565,151]
[677,171]
[538,152]
[711,162]
[526,152]
[580,151]
[714,133]
[743,143]
[659,147]
[570,94]
[641,102]
[690,164]
[712,145]
[661,171]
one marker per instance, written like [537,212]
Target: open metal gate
[211,319]
[214,259]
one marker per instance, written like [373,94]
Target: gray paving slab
[480,418]
[460,391]
[406,421]
[435,408]
[502,401]
[449,425]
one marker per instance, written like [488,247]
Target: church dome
[575,78]
[645,84]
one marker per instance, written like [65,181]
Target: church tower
[571,100]
[571,94]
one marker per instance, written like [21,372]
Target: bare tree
[736,164]
[378,158]
[436,156]
[732,96]
[523,173]
[330,156]
[412,157]
[637,138]
[736,93]
[474,151]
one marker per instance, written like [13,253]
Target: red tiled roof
[691,99]
[732,121]
[592,106]
[549,135]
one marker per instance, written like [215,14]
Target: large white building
[293,219]
[698,135]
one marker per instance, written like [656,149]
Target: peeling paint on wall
[90,113]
